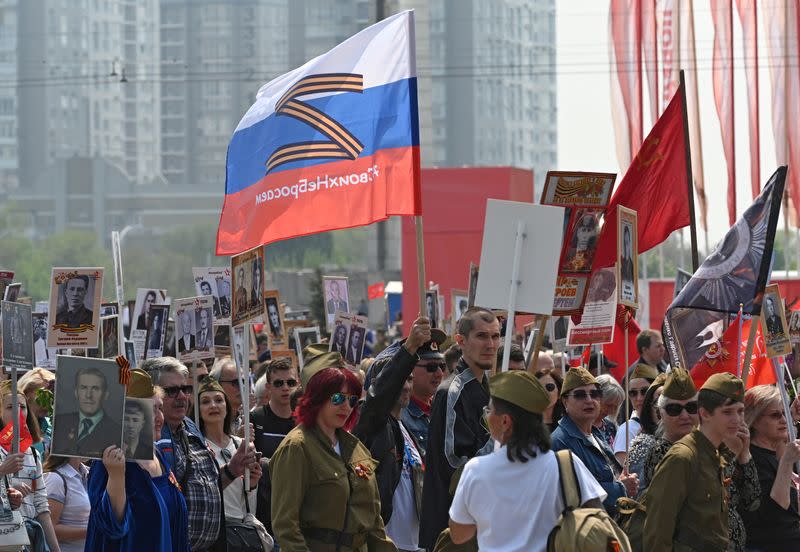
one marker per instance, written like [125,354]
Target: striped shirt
[31,474]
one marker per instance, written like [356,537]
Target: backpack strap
[568,480]
[63,480]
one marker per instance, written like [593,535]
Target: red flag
[655,187]
[721,357]
[722,16]
[25,438]
[748,15]
[375,291]
[626,77]
[615,351]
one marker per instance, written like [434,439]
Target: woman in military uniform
[324,491]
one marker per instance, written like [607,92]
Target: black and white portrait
[337,297]
[772,317]
[432,307]
[247,270]
[74,312]
[338,341]
[216,282]
[17,336]
[89,402]
[204,331]
[303,337]
[44,356]
[274,317]
[137,429]
[110,333]
[627,257]
[169,339]
[355,345]
[184,332]
[157,330]
[193,317]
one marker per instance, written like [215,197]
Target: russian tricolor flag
[333,144]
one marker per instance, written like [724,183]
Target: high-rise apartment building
[215,55]
[88,85]
[9,122]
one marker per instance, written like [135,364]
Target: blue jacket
[166,446]
[603,465]
[417,422]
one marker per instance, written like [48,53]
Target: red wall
[453,208]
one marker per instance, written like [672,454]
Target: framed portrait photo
[74,313]
[337,297]
[627,258]
[773,323]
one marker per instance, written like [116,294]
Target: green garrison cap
[726,384]
[316,358]
[577,377]
[140,385]
[644,371]
[679,385]
[660,380]
[209,384]
[520,388]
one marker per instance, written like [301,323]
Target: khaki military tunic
[315,492]
[686,503]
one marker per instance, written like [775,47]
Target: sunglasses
[550,387]
[289,383]
[226,454]
[172,392]
[637,392]
[433,367]
[582,395]
[776,415]
[674,409]
[338,399]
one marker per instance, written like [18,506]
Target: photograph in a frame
[247,273]
[137,429]
[627,261]
[156,331]
[215,281]
[17,336]
[88,409]
[275,327]
[74,312]
[337,297]
[44,356]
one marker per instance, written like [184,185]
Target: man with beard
[185,452]
[456,431]
[400,468]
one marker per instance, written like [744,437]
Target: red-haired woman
[324,491]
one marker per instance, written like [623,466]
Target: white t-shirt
[403,527]
[515,505]
[619,440]
[74,498]
[233,494]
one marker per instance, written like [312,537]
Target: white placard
[539,258]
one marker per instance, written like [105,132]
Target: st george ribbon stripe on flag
[734,274]
[333,144]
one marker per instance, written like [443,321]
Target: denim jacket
[416,422]
[603,465]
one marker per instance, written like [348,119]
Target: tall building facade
[9,121]
[214,55]
[87,85]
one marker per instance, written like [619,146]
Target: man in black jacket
[400,471]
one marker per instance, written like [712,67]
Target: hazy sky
[585,130]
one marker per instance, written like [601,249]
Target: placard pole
[244,391]
[14,412]
[195,396]
[626,321]
[748,353]
[512,297]
[539,341]
[420,265]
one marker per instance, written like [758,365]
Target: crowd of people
[426,445]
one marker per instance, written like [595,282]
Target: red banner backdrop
[454,208]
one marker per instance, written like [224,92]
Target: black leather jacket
[380,432]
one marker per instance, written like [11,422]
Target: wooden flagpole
[627,386]
[539,341]
[748,353]
[689,176]
[420,263]
[739,343]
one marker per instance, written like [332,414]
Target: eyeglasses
[550,387]
[289,383]
[172,392]
[433,367]
[233,381]
[674,409]
[486,411]
[777,415]
[582,395]
[637,392]
[338,399]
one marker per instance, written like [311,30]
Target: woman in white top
[28,480]
[68,499]
[216,415]
[511,498]
[641,378]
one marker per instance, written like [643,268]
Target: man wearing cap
[400,468]
[687,500]
[512,498]
[581,397]
[429,370]
[456,432]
